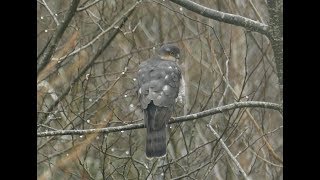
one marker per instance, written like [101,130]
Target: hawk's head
[169,52]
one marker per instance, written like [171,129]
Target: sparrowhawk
[158,87]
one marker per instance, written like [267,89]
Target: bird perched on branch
[158,81]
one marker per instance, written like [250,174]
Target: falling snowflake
[131,107]
[87,76]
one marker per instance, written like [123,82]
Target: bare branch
[51,13]
[82,72]
[45,58]
[228,151]
[205,113]
[274,34]
[195,170]
[228,107]
[256,11]
[113,26]
[224,17]
[87,6]
[276,38]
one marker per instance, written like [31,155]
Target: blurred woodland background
[88,54]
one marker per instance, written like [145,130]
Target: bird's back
[158,80]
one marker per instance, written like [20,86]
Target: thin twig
[256,11]
[51,13]
[191,172]
[90,63]
[112,26]
[87,6]
[228,151]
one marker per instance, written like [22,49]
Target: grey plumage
[158,87]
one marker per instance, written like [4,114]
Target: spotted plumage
[158,86]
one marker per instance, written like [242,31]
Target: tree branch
[229,152]
[273,31]
[205,113]
[228,107]
[81,8]
[112,26]
[51,13]
[276,38]
[45,58]
[91,62]
[224,17]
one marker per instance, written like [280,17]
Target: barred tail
[155,120]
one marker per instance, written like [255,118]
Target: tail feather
[156,143]
[155,120]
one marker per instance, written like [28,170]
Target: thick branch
[224,17]
[45,58]
[276,38]
[190,117]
